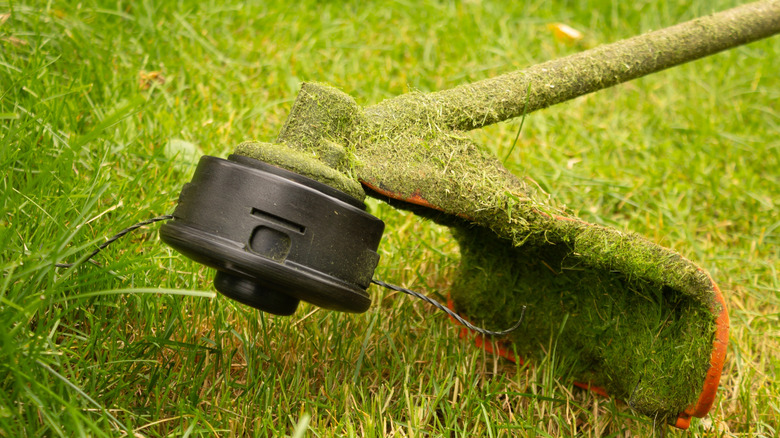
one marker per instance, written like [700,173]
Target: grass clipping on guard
[620,312]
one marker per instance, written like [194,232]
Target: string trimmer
[285,221]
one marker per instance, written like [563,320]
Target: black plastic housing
[276,237]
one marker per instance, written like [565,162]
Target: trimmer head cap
[276,237]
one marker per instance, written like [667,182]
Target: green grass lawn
[92,94]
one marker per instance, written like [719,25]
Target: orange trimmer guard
[632,319]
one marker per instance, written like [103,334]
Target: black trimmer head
[276,237]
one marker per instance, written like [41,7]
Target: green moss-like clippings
[304,163]
[643,342]
[319,112]
[449,171]
[636,257]
[313,139]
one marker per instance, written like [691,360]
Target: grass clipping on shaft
[620,311]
